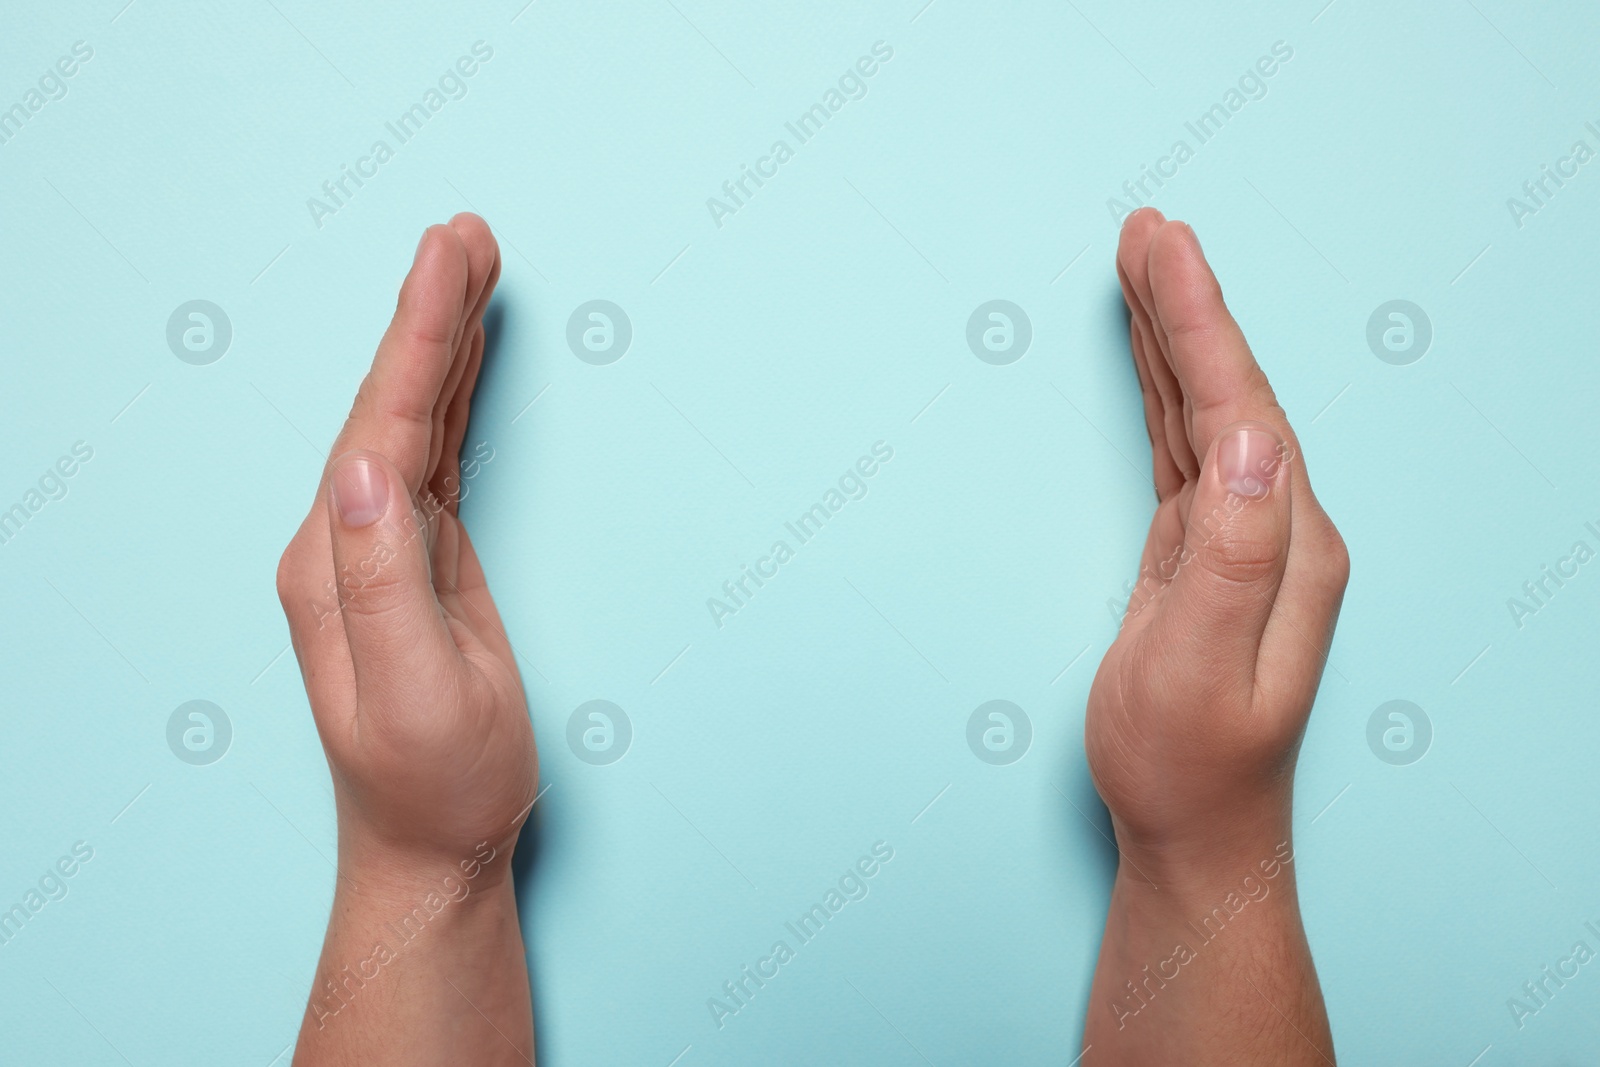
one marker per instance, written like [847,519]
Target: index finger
[393,413]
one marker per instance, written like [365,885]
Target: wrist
[404,876]
[403,925]
[1209,840]
[1225,905]
[1199,865]
[1189,956]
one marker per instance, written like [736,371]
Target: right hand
[1196,714]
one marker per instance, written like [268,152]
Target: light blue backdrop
[827,313]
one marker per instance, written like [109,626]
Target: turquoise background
[768,354]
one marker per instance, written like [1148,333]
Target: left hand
[412,681]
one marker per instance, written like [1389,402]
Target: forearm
[422,964]
[1209,967]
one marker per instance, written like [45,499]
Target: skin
[1196,714]
[418,701]
[1193,724]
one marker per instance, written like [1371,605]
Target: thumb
[1235,547]
[384,578]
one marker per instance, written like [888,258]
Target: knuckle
[1331,553]
[380,610]
[290,577]
[1241,558]
[1338,556]
[303,590]
[362,399]
[375,587]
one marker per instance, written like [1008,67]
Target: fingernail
[420,242]
[1247,460]
[360,491]
[1194,237]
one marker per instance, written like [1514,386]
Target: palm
[1135,732]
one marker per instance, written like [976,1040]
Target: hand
[1196,714]
[412,681]
[416,695]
